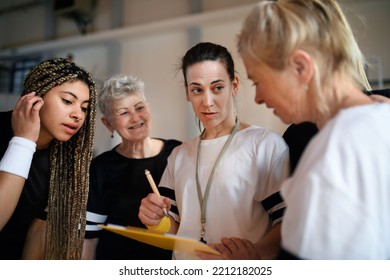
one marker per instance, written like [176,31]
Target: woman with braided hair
[46,147]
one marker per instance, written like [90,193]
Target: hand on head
[25,116]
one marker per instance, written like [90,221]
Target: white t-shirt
[338,201]
[251,170]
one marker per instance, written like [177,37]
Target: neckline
[142,158]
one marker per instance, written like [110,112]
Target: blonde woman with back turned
[301,58]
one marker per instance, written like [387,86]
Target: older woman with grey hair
[118,181]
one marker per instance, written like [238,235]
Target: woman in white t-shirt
[224,184]
[306,65]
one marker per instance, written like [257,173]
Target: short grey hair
[117,87]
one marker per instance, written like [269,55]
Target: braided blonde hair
[69,163]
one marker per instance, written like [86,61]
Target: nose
[258,98]
[208,99]
[77,115]
[134,117]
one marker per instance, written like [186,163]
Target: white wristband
[18,156]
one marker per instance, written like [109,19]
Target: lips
[208,115]
[70,128]
[137,126]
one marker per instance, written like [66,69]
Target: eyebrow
[120,108]
[139,103]
[213,82]
[217,81]
[125,107]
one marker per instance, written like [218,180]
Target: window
[13,71]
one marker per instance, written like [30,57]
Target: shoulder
[352,132]
[262,142]
[5,115]
[262,135]
[355,119]
[171,142]
[5,130]
[383,92]
[104,158]
[5,122]
[254,131]
[185,148]
[297,137]
[302,132]
[168,146]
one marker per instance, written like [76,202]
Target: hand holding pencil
[155,189]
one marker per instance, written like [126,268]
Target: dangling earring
[112,135]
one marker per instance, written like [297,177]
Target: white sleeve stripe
[277,221]
[92,228]
[96,218]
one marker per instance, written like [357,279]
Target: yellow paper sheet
[163,240]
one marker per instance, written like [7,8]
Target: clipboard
[166,241]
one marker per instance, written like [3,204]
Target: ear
[302,65]
[107,124]
[235,84]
